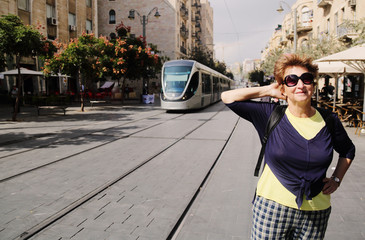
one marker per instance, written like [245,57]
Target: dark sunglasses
[292,79]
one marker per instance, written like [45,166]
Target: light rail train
[188,84]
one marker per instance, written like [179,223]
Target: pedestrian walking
[292,198]
[14,95]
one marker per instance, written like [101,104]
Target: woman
[293,193]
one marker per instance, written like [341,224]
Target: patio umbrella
[23,71]
[334,69]
[354,57]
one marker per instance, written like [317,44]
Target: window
[88,3]
[206,84]
[111,17]
[89,26]
[306,16]
[24,5]
[71,19]
[51,11]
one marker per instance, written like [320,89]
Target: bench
[52,107]
[92,102]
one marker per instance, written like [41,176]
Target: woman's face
[300,93]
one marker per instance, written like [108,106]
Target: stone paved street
[137,172]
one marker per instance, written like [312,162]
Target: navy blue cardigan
[299,164]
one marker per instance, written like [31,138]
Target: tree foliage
[206,58]
[19,40]
[359,28]
[120,58]
[314,48]
[257,76]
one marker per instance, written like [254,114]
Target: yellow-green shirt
[270,187]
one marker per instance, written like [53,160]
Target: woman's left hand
[330,186]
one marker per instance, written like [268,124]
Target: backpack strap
[273,121]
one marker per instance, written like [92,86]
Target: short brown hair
[291,60]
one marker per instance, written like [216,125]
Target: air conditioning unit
[72,28]
[52,21]
[352,3]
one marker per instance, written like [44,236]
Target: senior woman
[293,193]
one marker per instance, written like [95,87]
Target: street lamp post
[293,12]
[143,19]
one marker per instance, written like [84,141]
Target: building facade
[176,27]
[55,19]
[315,19]
[176,32]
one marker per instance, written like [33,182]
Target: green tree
[257,76]
[315,48]
[78,58]
[359,28]
[320,47]
[93,58]
[206,58]
[268,65]
[19,40]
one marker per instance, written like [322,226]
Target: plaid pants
[272,220]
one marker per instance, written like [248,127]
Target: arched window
[111,17]
[307,16]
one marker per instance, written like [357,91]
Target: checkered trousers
[272,220]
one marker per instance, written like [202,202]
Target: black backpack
[274,120]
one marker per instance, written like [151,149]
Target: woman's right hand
[276,91]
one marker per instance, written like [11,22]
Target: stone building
[176,27]
[179,28]
[56,19]
[315,19]
[183,26]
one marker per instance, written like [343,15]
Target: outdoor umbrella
[354,57]
[23,71]
[334,69]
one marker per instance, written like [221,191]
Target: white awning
[107,85]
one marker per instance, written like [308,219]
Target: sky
[242,28]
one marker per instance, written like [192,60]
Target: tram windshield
[175,78]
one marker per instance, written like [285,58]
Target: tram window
[175,78]
[215,84]
[193,85]
[206,83]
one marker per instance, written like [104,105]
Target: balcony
[283,41]
[196,5]
[196,19]
[183,49]
[184,12]
[324,3]
[197,26]
[289,34]
[196,35]
[184,32]
[304,27]
[346,31]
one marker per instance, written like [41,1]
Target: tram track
[82,200]
[84,151]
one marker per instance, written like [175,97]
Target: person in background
[14,95]
[293,193]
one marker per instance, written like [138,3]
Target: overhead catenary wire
[230,17]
